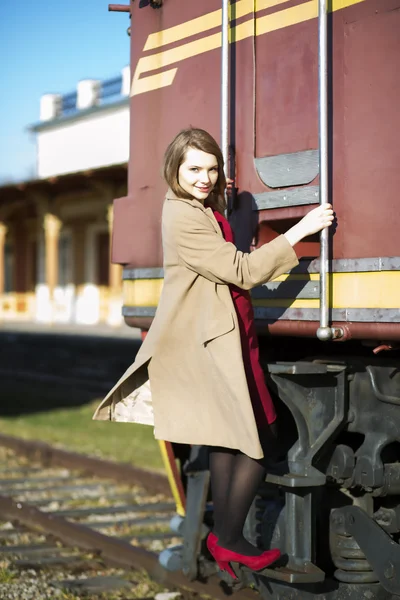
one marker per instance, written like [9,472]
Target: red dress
[263,406]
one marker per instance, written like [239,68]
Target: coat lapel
[208,211]
[196,204]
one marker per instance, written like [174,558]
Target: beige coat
[192,352]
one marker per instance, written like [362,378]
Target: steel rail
[325,332]
[112,551]
[124,473]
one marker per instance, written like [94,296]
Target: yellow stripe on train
[142,83]
[142,292]
[206,22]
[375,289]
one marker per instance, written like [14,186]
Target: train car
[310,113]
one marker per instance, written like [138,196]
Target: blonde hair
[175,156]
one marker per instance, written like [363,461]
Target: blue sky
[47,46]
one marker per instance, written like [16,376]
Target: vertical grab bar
[324,332]
[225,84]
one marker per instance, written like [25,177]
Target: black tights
[235,479]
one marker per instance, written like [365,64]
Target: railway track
[74,527]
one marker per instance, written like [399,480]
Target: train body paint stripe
[143,81]
[205,23]
[183,30]
[142,292]
[350,290]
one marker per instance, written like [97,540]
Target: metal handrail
[324,332]
[225,84]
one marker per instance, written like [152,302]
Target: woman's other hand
[314,221]
[229,185]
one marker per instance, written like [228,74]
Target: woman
[201,352]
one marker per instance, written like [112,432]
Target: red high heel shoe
[256,563]
[212,542]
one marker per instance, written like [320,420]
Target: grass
[6,576]
[73,429]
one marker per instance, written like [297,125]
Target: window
[64,259]
[8,267]
[102,249]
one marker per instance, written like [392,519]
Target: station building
[55,230]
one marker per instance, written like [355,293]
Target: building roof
[109,94]
[68,182]
[78,115]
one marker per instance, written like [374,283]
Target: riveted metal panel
[352,265]
[155,273]
[297,168]
[138,311]
[366,315]
[343,265]
[283,198]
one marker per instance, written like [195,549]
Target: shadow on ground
[45,372]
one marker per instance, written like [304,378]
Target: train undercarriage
[331,503]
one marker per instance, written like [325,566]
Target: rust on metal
[355,331]
[385,348]
[48,455]
[119,8]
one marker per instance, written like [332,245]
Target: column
[115,273]
[115,280]
[20,243]
[78,241]
[3,233]
[52,226]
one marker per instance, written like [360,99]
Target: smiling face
[198,174]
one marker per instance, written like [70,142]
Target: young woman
[201,352]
